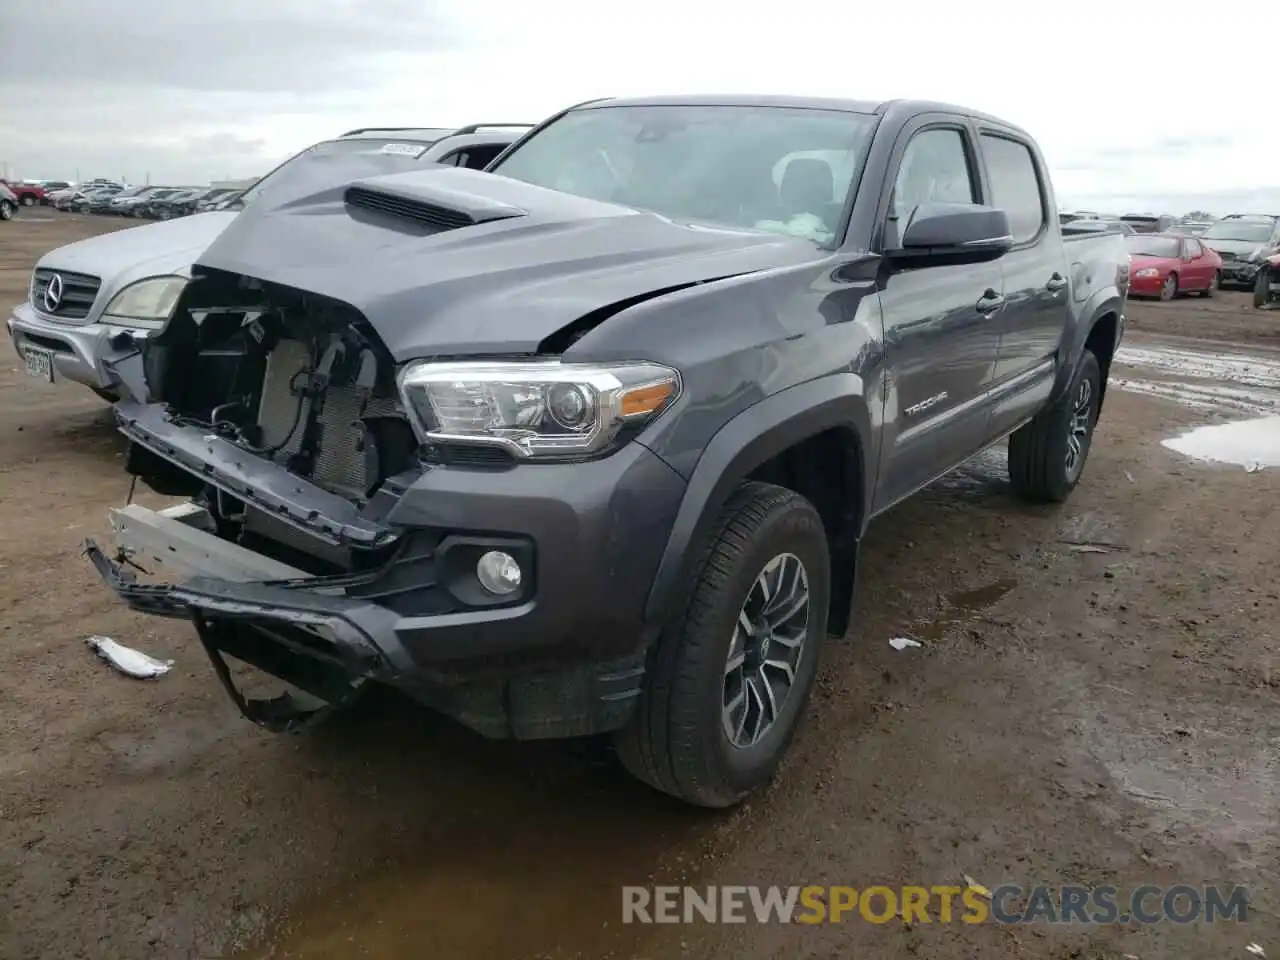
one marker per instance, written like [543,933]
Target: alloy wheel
[765,650]
[1081,424]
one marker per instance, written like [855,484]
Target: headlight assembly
[1147,272]
[148,301]
[539,409]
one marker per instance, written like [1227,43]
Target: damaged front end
[326,544]
[1266,290]
[277,413]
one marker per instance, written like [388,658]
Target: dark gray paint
[789,340]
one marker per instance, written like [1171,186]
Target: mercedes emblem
[53,293]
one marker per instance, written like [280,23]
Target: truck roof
[869,107]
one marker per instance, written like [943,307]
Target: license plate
[39,363]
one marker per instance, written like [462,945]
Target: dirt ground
[1097,700]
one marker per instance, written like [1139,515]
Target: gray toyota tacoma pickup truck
[587,443]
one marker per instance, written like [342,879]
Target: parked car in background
[129,205]
[1148,222]
[1266,285]
[28,194]
[1190,228]
[1244,242]
[162,206]
[1097,226]
[1166,265]
[623,412]
[228,201]
[215,196]
[8,203]
[83,201]
[116,287]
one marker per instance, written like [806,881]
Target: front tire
[727,684]
[1169,289]
[1262,287]
[7,210]
[1214,282]
[1047,455]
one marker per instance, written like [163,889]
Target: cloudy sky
[1138,106]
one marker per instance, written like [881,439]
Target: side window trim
[920,125]
[1041,180]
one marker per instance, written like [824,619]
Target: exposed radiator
[339,464]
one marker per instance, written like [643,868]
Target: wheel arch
[813,438]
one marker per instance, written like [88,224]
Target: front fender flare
[750,439]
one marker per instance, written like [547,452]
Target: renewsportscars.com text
[1006,904]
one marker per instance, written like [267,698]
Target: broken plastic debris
[1253,466]
[976,887]
[1129,477]
[130,662]
[1256,950]
[901,643]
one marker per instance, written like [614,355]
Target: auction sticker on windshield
[39,363]
[404,149]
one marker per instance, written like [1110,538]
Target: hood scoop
[432,206]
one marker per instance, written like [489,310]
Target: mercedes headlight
[540,409]
[147,301]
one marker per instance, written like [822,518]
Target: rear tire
[721,702]
[27,200]
[1169,289]
[1262,287]
[1214,282]
[1047,455]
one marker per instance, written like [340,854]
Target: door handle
[990,302]
[1056,282]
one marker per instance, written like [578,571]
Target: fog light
[498,573]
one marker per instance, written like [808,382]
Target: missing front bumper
[297,628]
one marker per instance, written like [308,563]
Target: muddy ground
[1072,717]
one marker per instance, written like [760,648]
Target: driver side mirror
[953,233]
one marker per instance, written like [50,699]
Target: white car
[91,301]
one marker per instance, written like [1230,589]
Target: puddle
[961,607]
[1200,784]
[984,475]
[1251,444]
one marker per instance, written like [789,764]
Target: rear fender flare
[1106,302]
[750,439]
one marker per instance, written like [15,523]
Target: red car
[28,194]
[1165,265]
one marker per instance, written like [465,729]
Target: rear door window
[1015,185]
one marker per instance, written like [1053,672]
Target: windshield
[1153,246]
[384,155]
[780,169]
[1243,230]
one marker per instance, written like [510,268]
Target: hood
[516,263]
[1241,248]
[1144,262]
[169,246]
